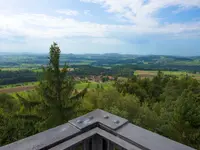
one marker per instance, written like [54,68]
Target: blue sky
[169,27]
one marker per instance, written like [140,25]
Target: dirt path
[17,89]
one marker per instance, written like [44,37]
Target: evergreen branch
[26,103]
[28,117]
[80,94]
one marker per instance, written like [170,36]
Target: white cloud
[87,12]
[45,26]
[37,31]
[107,41]
[68,12]
[142,12]
[180,9]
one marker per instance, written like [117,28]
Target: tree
[8,125]
[57,91]
[187,116]
[112,101]
[105,79]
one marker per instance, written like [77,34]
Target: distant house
[111,78]
[98,79]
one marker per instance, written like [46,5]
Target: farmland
[17,89]
[13,88]
[31,86]
[21,72]
[151,74]
[155,92]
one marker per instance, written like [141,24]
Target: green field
[150,74]
[92,85]
[31,85]
[10,69]
[19,84]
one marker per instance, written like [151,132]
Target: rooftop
[97,130]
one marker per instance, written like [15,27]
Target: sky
[158,27]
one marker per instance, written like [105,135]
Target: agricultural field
[93,85]
[151,74]
[17,89]
[31,85]
[26,86]
[20,72]
[10,69]
[19,84]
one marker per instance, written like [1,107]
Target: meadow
[26,86]
[31,86]
[151,74]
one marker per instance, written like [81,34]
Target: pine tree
[55,100]
[187,116]
[57,91]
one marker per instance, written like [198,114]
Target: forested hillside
[149,62]
[166,104]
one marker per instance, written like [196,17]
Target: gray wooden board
[98,116]
[43,139]
[149,139]
[91,133]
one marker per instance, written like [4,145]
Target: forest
[166,104]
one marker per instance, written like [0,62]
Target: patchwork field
[31,86]
[17,89]
[13,88]
[151,74]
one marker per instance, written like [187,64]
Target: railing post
[97,143]
[86,145]
[110,145]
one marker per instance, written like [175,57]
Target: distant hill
[164,62]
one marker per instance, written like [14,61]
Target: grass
[10,69]
[37,70]
[150,74]
[19,68]
[19,84]
[84,62]
[32,69]
[25,87]
[92,85]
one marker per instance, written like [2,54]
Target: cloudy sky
[170,27]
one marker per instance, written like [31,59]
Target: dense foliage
[168,105]
[20,76]
[149,62]
[173,105]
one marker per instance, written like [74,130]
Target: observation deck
[97,130]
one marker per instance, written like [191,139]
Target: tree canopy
[166,104]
